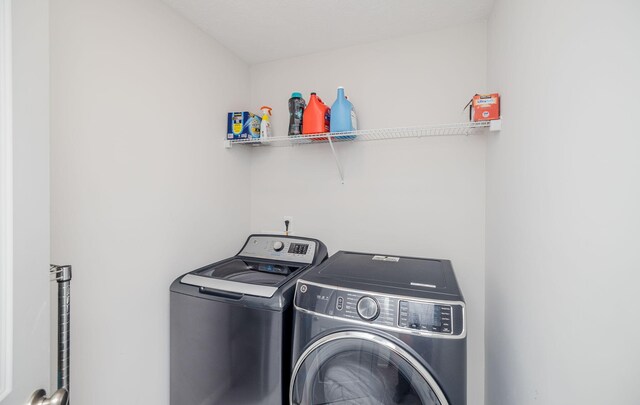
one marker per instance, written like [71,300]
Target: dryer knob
[368,308]
[278,246]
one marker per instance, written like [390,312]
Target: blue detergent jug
[342,115]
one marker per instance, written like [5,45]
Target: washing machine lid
[390,274]
[264,265]
[243,276]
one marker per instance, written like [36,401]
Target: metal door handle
[39,397]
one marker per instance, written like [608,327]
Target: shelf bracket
[335,156]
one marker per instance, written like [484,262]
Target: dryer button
[340,303]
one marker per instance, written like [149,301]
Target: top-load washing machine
[379,330]
[231,324]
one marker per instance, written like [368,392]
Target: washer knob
[368,308]
[278,246]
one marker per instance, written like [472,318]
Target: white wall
[423,197]
[142,190]
[563,191]
[30,117]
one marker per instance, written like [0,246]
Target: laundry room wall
[142,189]
[563,193]
[420,197]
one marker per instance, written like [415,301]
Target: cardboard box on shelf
[243,125]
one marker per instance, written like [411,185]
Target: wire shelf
[464,128]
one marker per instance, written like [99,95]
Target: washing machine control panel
[280,248]
[400,314]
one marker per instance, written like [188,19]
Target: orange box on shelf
[485,107]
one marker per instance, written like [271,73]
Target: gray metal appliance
[379,330]
[231,324]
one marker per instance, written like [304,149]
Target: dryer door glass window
[359,368]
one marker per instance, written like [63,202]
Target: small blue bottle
[342,115]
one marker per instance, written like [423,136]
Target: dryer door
[361,368]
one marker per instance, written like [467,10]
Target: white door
[24,199]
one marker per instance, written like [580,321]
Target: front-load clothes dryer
[231,324]
[379,330]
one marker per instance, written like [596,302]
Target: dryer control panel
[425,316]
[400,314]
